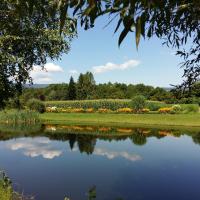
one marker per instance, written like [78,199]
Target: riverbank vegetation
[7,192]
[19,117]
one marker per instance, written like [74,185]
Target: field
[187,120]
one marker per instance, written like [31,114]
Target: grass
[18,117]
[187,120]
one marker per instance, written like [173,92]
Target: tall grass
[19,117]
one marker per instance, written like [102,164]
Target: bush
[176,109]
[155,105]
[124,110]
[190,108]
[138,103]
[36,105]
[165,110]
[104,110]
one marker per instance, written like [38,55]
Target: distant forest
[86,88]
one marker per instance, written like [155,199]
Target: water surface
[115,163]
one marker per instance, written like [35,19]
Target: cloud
[73,71]
[112,66]
[35,147]
[45,75]
[49,67]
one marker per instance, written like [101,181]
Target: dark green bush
[36,105]
[154,105]
[138,103]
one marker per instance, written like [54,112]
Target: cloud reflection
[115,154]
[35,147]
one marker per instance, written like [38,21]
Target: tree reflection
[138,137]
[196,138]
[86,143]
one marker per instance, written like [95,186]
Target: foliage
[112,104]
[191,108]
[19,117]
[177,21]
[36,105]
[85,86]
[165,110]
[176,108]
[28,36]
[124,110]
[5,187]
[155,105]
[71,89]
[138,103]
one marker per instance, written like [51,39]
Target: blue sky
[92,50]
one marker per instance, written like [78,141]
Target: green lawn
[189,120]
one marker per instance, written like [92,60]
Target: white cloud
[112,66]
[45,75]
[73,71]
[35,147]
[49,67]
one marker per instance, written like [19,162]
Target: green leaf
[138,31]
[123,35]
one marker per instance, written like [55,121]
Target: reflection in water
[35,147]
[133,163]
[114,154]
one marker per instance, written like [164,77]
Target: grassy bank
[19,117]
[189,120]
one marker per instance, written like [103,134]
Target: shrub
[124,110]
[165,110]
[154,105]
[176,109]
[145,110]
[190,108]
[138,103]
[78,110]
[51,109]
[89,110]
[36,105]
[104,110]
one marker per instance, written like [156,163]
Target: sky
[97,50]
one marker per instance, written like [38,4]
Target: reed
[19,117]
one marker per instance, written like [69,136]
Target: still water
[53,162]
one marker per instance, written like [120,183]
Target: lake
[80,162]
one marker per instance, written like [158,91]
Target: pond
[80,162]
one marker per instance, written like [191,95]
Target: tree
[138,103]
[71,89]
[28,36]
[85,86]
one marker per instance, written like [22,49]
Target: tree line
[86,88]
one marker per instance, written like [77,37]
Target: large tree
[71,94]
[29,35]
[85,86]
